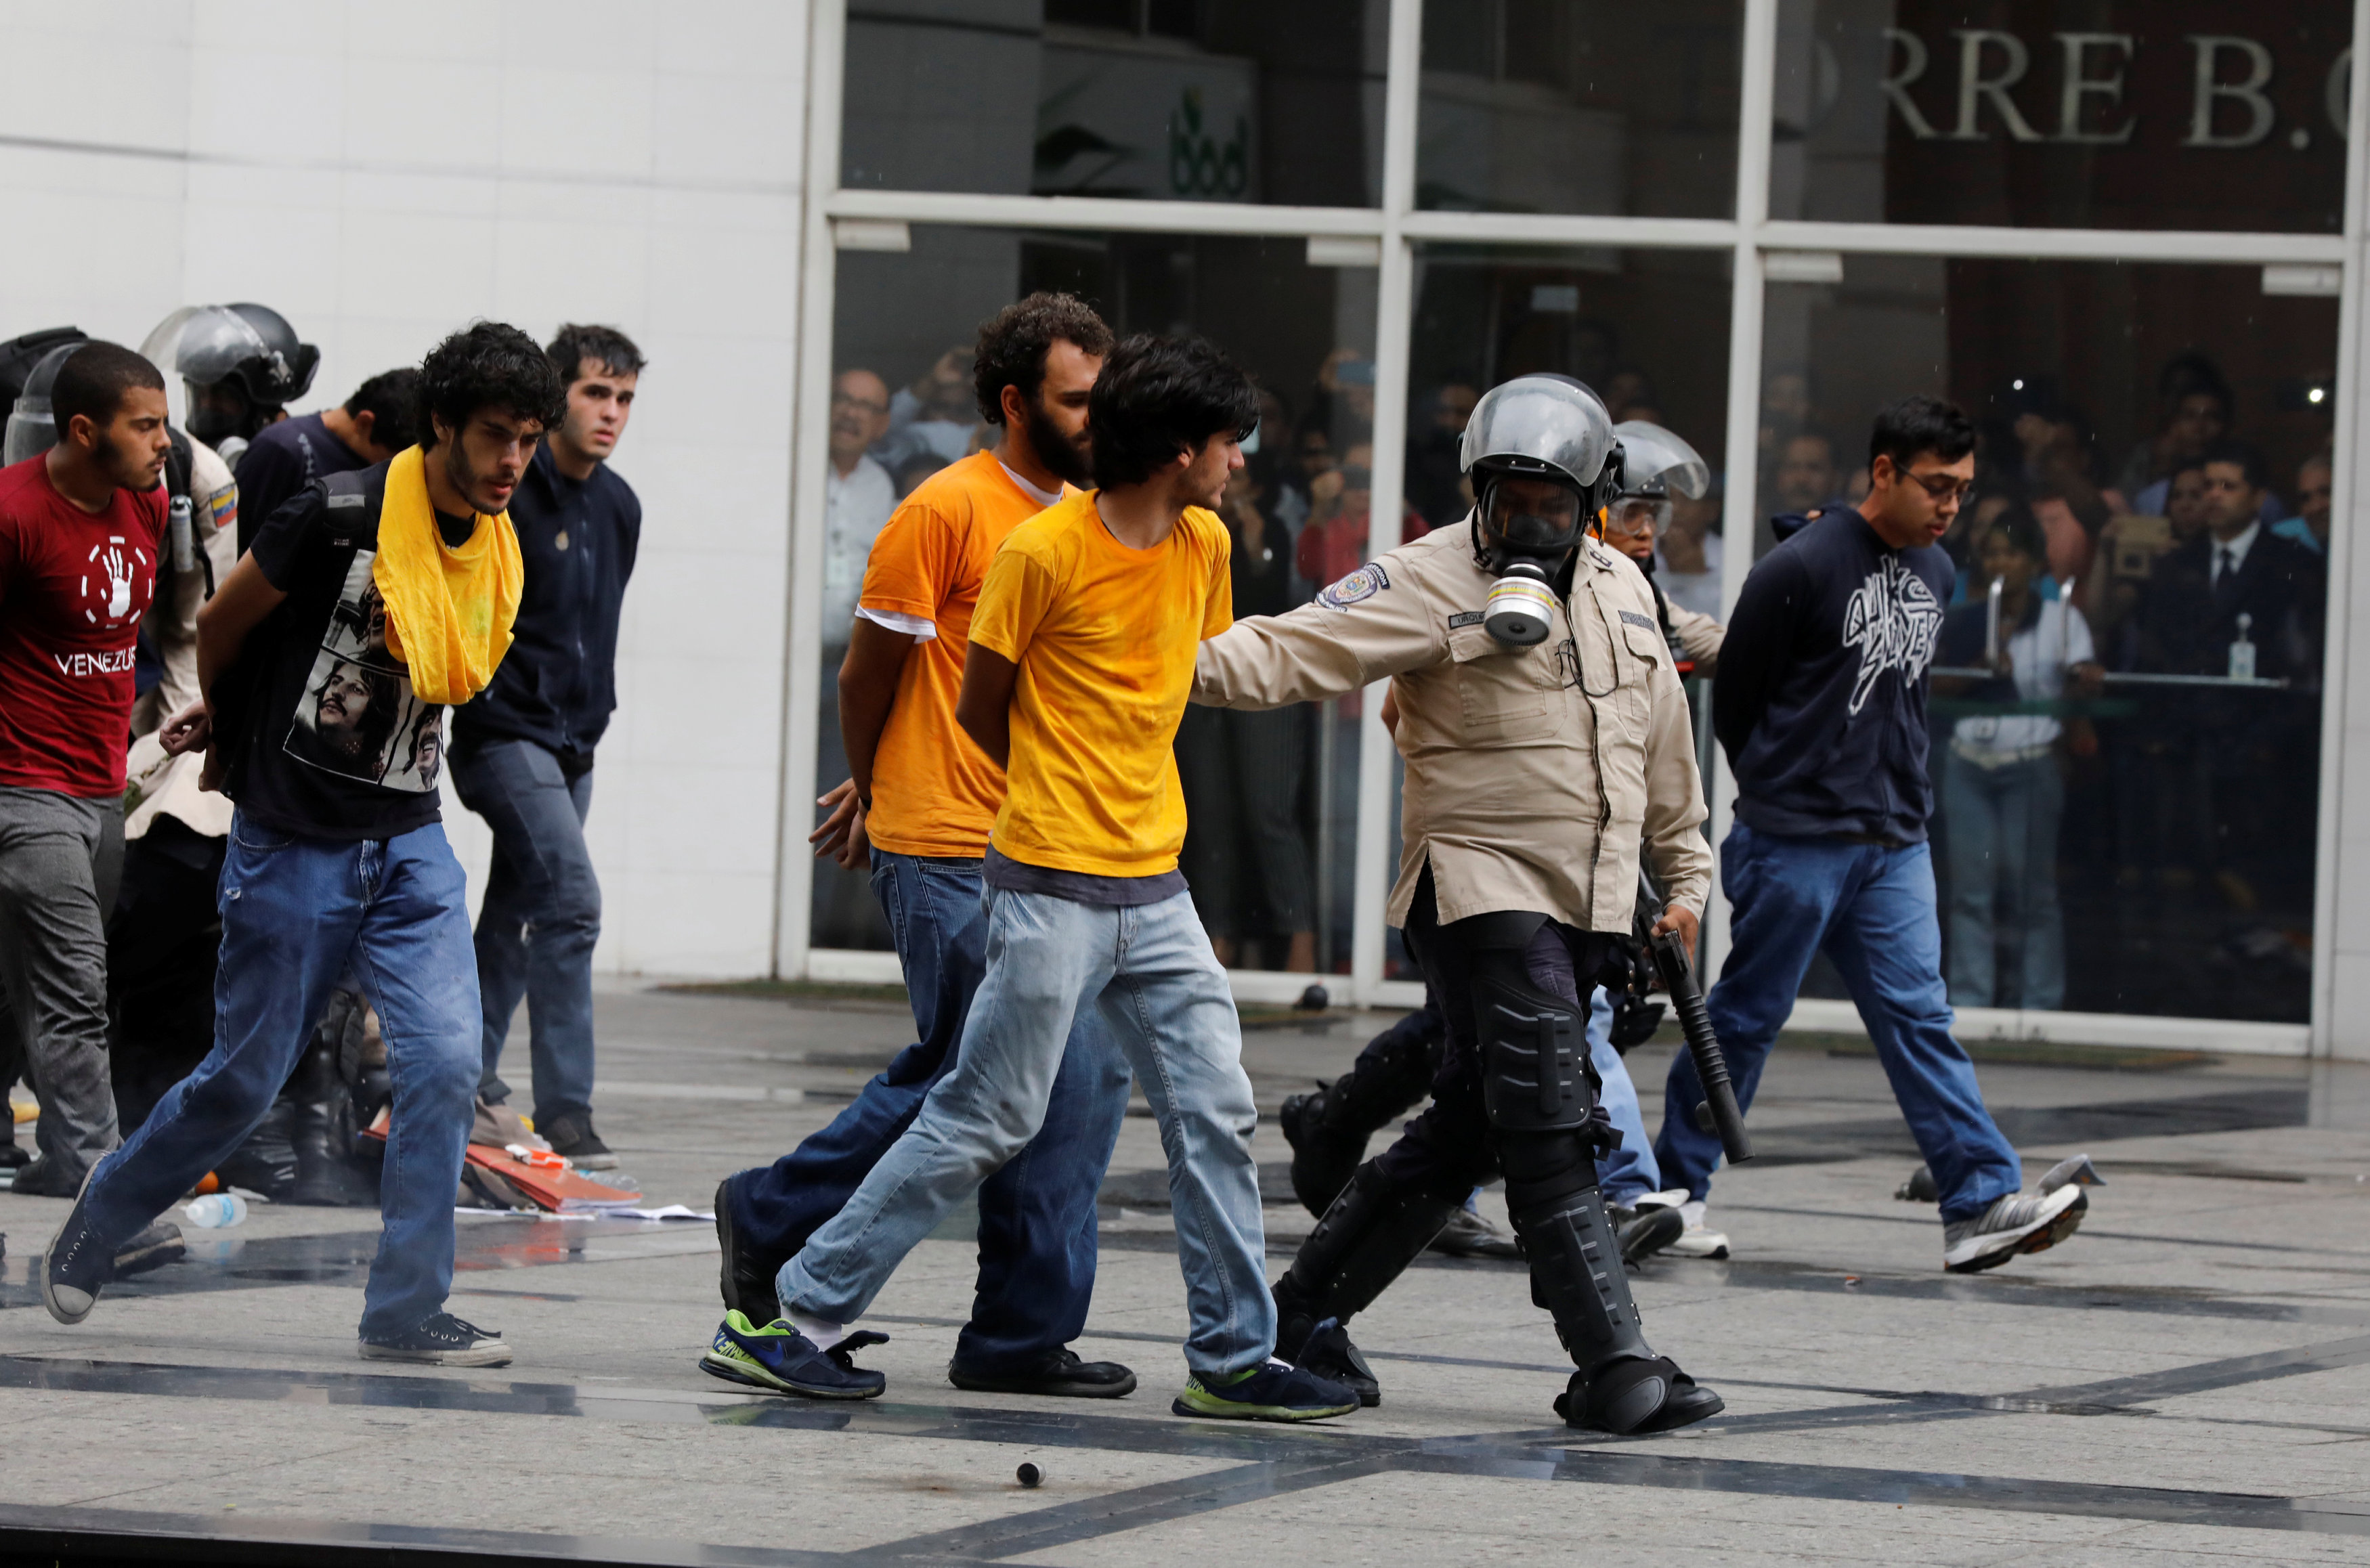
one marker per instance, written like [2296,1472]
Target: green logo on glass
[1198,164]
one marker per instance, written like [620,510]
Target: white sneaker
[1695,1241]
[2016,1224]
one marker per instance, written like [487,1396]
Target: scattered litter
[1029,1474]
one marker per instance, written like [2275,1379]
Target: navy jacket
[557,685]
[1821,697]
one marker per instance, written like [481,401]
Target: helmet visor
[1534,516]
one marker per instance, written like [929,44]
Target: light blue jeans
[2002,826]
[1166,1003]
[1629,1173]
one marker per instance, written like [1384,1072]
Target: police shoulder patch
[1465,618]
[1643,623]
[1362,584]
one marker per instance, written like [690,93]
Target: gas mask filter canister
[1521,607]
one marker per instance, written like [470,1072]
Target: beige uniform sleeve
[1318,650]
[1699,634]
[1676,847]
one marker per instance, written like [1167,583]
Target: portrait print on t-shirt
[358,715]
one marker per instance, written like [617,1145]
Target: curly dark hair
[487,365]
[1013,344]
[604,346]
[1161,396]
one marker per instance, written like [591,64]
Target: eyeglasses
[1944,487]
[847,400]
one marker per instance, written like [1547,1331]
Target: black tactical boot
[1328,1130]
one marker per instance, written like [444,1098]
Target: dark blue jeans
[1037,1214]
[1872,909]
[539,920]
[296,914]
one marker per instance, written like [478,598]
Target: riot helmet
[1655,465]
[238,365]
[32,421]
[1542,457]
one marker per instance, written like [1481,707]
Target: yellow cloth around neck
[449,612]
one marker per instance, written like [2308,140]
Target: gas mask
[1524,531]
[1541,455]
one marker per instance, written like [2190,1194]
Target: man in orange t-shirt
[916,811]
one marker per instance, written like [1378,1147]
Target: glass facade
[2135,114]
[1181,101]
[2117,822]
[2127,757]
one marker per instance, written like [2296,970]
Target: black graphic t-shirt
[331,743]
[1821,697]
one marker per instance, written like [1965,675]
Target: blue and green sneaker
[780,1359]
[1273,1392]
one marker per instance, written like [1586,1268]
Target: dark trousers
[540,919]
[1037,1214]
[1451,1146]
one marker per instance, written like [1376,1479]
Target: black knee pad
[1535,1075]
[1367,1238]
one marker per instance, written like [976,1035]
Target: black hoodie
[1821,697]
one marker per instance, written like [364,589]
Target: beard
[1062,457]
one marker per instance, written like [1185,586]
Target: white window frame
[1750,237]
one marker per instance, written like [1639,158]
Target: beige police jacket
[1532,774]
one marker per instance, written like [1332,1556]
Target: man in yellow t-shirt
[916,812]
[1081,657]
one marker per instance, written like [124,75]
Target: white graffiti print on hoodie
[1892,618]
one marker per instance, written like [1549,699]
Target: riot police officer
[1655,465]
[240,367]
[1544,736]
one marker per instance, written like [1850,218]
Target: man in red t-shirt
[80,526]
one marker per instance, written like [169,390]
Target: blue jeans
[1629,1171]
[1037,1214]
[1872,909]
[296,914]
[1150,972]
[539,920]
[2003,847]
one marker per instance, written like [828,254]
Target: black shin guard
[1366,1239]
[1576,1274]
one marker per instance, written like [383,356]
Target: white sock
[823,1335]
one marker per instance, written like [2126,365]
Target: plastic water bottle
[217,1211]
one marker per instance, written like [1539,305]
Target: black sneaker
[1273,1393]
[1057,1374]
[570,1135]
[14,1156]
[153,1248]
[746,1285]
[442,1340]
[74,1264]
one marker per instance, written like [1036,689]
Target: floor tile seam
[1084,1519]
[1866,1483]
[378,1543]
[1390,1453]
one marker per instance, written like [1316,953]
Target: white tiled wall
[382,175]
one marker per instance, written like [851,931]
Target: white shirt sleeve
[898,621]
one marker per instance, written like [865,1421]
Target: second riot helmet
[239,365]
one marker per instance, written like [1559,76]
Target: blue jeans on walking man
[540,917]
[1037,1235]
[1871,908]
[1150,972]
[297,913]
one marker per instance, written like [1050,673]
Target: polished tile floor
[2188,1380]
